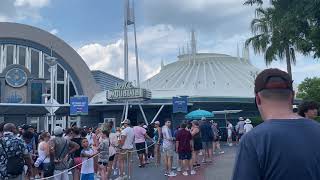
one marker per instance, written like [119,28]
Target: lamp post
[51,61]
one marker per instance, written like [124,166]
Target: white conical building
[208,75]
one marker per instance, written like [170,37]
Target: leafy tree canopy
[309,89]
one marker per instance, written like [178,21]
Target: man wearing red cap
[284,147]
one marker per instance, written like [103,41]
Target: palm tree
[272,36]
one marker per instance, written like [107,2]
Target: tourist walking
[308,109]
[140,135]
[158,139]
[184,148]
[61,148]
[126,148]
[229,131]
[216,138]
[285,146]
[240,128]
[150,143]
[197,143]
[248,126]
[168,148]
[207,138]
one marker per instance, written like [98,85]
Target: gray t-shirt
[104,151]
[61,149]
[167,138]
[283,149]
[240,127]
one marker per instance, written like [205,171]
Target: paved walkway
[220,169]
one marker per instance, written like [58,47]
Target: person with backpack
[13,155]
[61,148]
[207,138]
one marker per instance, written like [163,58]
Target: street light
[52,62]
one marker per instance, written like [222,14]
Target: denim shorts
[185,156]
[87,176]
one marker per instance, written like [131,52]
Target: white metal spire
[193,42]
[125,38]
[238,53]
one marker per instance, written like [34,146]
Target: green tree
[309,89]
[273,36]
[302,17]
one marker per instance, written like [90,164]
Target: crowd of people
[106,151]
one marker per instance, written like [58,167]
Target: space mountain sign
[126,91]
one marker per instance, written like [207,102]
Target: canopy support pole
[143,115]
[155,117]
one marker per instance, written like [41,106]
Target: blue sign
[180,104]
[78,105]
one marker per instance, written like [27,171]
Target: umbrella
[198,114]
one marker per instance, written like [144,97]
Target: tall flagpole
[126,6]
[135,45]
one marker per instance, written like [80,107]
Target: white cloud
[17,10]
[154,43]
[32,3]
[54,31]
[109,58]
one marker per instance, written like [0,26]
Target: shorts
[229,134]
[111,158]
[185,156]
[169,152]
[87,176]
[207,145]
[141,148]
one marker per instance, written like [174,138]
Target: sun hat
[157,122]
[241,119]
[247,121]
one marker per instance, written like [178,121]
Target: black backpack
[14,164]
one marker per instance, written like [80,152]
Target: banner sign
[78,105]
[126,91]
[180,104]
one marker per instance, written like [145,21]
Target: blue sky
[94,29]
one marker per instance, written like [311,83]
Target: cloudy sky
[95,30]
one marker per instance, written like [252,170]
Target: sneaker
[193,172]
[172,174]
[185,173]
[179,169]
[166,174]
[221,152]
[115,172]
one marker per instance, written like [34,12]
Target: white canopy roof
[204,75]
